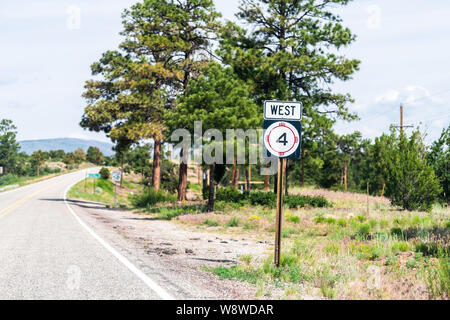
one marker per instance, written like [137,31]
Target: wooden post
[85,181]
[382,191]
[266,180]
[94,186]
[279,217]
[249,187]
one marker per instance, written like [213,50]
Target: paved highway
[48,252]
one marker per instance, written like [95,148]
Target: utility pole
[401,127]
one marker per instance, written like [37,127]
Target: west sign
[282,110]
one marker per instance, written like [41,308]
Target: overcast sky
[47,48]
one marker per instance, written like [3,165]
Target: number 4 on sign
[283,139]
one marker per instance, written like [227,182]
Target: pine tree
[410,181]
[220,101]
[290,54]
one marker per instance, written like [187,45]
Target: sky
[47,48]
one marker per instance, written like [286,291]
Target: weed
[400,247]
[293,219]
[361,218]
[246,258]
[287,232]
[237,273]
[233,222]
[332,248]
[383,223]
[438,277]
[211,222]
[319,219]
[411,264]
[342,223]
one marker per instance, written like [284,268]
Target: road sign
[116,175]
[282,110]
[94,175]
[282,139]
[1,170]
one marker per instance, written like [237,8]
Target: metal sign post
[95,176]
[282,139]
[116,176]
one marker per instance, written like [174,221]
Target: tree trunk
[121,169]
[211,189]
[247,181]
[266,180]
[233,173]
[345,176]
[156,179]
[275,182]
[236,177]
[182,181]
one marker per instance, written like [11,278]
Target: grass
[331,252]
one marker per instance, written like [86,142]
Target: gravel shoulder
[172,254]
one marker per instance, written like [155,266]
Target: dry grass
[340,252]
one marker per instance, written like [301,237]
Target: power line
[415,100]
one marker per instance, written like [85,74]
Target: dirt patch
[181,249]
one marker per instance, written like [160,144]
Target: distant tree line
[16,163]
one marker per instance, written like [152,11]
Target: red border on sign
[296,139]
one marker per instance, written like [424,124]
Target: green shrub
[342,222]
[211,222]
[400,247]
[427,249]
[229,194]
[361,218]
[295,201]
[331,220]
[267,199]
[294,219]
[233,222]
[384,223]
[397,232]
[8,179]
[104,173]
[150,197]
[364,229]
[320,219]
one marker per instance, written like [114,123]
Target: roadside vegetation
[373,225]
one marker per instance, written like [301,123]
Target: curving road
[48,252]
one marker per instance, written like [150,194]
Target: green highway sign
[94,175]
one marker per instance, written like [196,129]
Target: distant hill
[66,144]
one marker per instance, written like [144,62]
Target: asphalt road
[48,252]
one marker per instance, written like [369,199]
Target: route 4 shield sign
[116,175]
[282,139]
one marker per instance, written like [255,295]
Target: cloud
[389,96]
[415,93]
[373,22]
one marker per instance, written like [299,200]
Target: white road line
[163,294]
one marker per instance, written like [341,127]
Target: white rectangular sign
[116,176]
[282,110]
